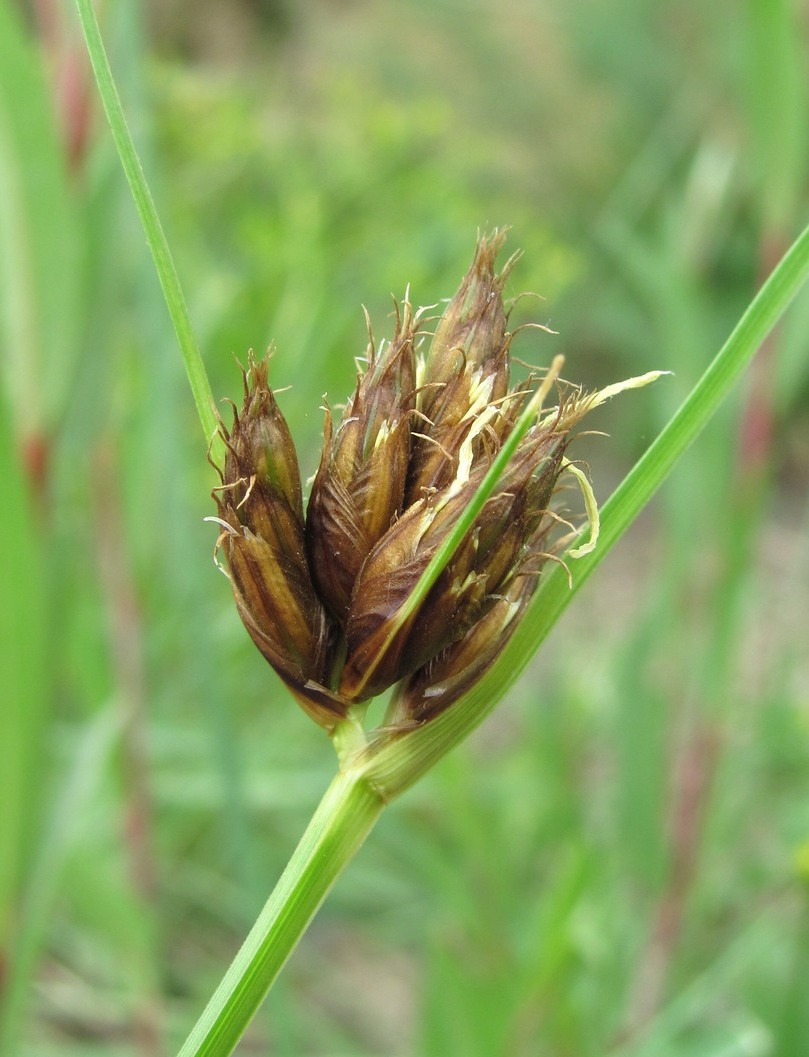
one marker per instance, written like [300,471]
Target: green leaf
[153,229]
[39,240]
[776,88]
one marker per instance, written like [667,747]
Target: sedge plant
[433,555]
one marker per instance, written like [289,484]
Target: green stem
[342,821]
[155,236]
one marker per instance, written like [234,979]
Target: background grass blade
[25,674]
[40,289]
[776,87]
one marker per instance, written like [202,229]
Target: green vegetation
[616,861]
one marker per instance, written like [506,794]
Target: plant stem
[342,821]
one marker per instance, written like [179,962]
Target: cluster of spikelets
[327,594]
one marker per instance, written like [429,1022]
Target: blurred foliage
[616,862]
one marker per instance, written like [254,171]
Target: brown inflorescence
[327,598]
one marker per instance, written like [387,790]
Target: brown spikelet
[359,487]
[260,509]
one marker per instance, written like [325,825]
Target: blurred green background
[618,861]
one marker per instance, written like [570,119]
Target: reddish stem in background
[36,458]
[757,427]
[694,778]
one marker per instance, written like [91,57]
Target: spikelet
[260,510]
[359,488]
